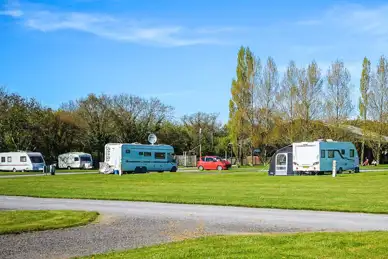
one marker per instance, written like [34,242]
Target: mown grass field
[311,245]
[12,222]
[364,192]
[56,171]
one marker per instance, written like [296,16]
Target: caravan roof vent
[329,140]
[321,140]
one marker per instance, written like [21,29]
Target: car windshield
[36,159]
[85,158]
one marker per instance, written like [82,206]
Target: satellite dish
[152,138]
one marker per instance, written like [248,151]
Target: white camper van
[21,161]
[75,160]
[135,157]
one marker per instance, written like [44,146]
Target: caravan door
[281,164]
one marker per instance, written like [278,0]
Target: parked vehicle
[213,163]
[75,160]
[139,158]
[318,156]
[21,161]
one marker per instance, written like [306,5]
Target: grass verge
[364,192]
[311,245]
[18,221]
[56,171]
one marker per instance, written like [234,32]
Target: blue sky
[183,52]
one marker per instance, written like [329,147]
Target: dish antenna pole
[200,143]
[152,138]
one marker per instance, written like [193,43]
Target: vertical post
[334,168]
[200,143]
[185,154]
[231,154]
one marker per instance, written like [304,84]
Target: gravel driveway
[126,225]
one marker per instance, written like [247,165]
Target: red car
[213,163]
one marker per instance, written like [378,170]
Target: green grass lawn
[364,192]
[33,220]
[75,170]
[56,171]
[311,245]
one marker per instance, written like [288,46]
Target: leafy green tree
[241,102]
[208,125]
[176,135]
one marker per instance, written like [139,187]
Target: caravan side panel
[21,161]
[344,153]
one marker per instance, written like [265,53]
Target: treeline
[268,109]
[87,124]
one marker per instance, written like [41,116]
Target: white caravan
[21,161]
[318,156]
[75,160]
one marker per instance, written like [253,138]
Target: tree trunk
[362,150]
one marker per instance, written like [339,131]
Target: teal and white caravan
[317,157]
[139,158]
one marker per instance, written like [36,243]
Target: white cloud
[354,20]
[345,31]
[120,28]
[308,22]
[12,13]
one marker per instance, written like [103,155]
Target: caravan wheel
[68,168]
[14,170]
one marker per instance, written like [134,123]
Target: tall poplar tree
[379,102]
[242,103]
[287,98]
[338,103]
[364,99]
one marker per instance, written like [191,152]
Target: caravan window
[141,153]
[86,159]
[147,153]
[76,159]
[36,159]
[352,153]
[330,154]
[3,159]
[160,155]
[23,159]
[323,153]
[128,151]
[343,151]
[9,159]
